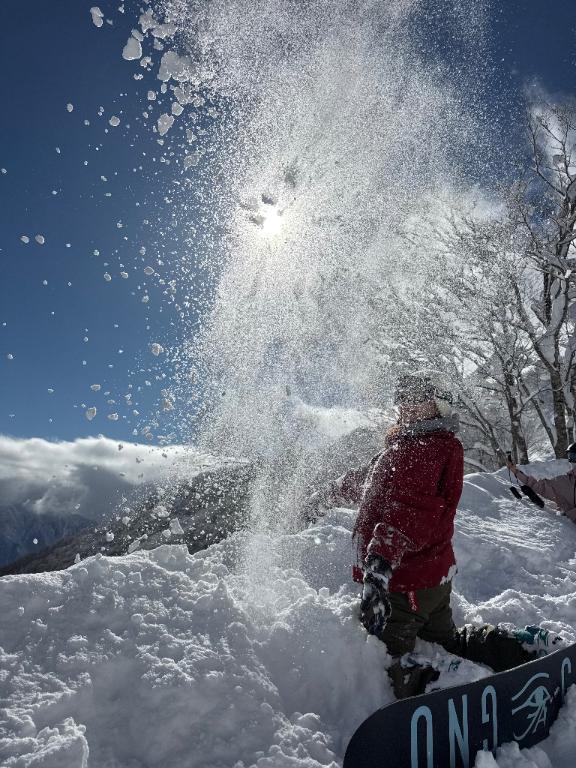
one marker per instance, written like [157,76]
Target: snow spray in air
[339,127]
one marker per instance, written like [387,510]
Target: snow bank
[250,653]
[546,469]
[161,658]
[517,563]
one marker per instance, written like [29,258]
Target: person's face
[418,412]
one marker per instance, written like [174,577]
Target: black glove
[313,508]
[317,504]
[375,607]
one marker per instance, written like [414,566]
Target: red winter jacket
[406,515]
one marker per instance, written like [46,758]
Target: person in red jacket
[408,496]
[405,523]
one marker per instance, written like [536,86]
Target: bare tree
[492,302]
[544,208]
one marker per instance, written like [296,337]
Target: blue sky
[54,296]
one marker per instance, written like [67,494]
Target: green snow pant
[431,620]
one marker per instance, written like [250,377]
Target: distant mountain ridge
[23,531]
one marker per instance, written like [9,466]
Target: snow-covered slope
[516,562]
[249,653]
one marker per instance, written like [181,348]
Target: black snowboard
[446,728]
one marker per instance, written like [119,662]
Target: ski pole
[513,490]
[526,490]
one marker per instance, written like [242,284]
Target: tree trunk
[519,446]
[561,443]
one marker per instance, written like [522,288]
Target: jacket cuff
[390,544]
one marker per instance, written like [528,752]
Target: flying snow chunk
[132,49]
[151,95]
[114,121]
[25,239]
[165,122]
[95,387]
[156,349]
[163,31]
[192,160]
[147,21]
[90,413]
[180,68]
[107,277]
[113,416]
[40,239]
[175,527]
[161,511]
[109,536]
[70,107]
[9,356]
[97,16]
[124,275]
[148,270]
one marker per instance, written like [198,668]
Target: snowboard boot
[410,676]
[504,647]
[536,640]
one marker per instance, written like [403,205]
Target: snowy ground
[250,654]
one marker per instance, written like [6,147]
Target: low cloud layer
[87,476]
